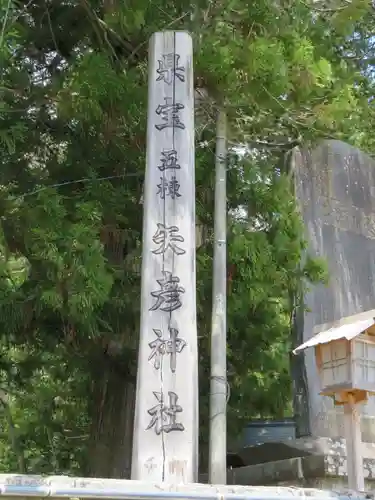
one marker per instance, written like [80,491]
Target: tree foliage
[73,92]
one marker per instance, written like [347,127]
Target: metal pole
[218,385]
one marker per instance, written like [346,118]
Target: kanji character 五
[168,160]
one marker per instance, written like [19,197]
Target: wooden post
[165,443]
[353,445]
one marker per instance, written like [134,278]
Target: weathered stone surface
[335,187]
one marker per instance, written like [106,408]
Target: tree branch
[325,10]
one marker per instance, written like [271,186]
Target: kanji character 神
[161,346]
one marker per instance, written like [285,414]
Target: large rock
[335,188]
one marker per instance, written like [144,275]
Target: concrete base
[317,463]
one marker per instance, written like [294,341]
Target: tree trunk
[112,413]
[299,379]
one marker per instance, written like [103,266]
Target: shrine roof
[348,331]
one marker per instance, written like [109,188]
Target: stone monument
[165,442]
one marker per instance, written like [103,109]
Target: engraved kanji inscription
[169,68]
[169,114]
[168,298]
[169,188]
[161,346]
[168,160]
[164,416]
[168,238]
